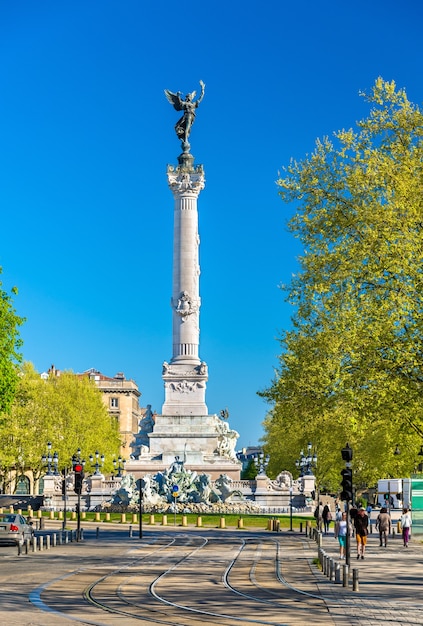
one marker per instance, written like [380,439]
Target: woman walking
[406,526]
[341,529]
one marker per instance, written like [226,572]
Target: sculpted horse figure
[223,488]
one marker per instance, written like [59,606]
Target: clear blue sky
[86,134]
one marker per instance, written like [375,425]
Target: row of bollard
[45,542]
[334,570]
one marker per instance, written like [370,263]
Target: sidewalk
[390,583]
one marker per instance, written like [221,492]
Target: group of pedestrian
[359,522]
[323,516]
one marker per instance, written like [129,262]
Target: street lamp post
[263,462]
[307,462]
[140,512]
[52,462]
[119,465]
[347,494]
[97,465]
[306,465]
[290,509]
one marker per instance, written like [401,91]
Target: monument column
[184,429]
[185,377]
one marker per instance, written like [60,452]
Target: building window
[114,403]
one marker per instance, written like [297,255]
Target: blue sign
[175,488]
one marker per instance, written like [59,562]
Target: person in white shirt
[406,526]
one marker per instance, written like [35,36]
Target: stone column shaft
[185,376]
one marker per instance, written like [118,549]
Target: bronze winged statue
[188,106]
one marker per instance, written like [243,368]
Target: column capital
[186,182]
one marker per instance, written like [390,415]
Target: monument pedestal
[204,443]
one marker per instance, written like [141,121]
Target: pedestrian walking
[361,525]
[318,512]
[342,527]
[406,526]
[326,517]
[383,525]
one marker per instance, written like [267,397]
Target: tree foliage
[250,472]
[10,344]
[67,411]
[351,367]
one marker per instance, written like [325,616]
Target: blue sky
[86,134]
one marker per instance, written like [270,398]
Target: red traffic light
[78,468]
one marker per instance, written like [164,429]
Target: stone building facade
[121,398]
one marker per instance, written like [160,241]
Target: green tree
[66,410]
[351,367]
[10,344]
[250,472]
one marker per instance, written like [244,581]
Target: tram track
[188,580]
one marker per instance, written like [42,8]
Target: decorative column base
[185,389]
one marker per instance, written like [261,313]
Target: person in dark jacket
[327,518]
[383,524]
[361,525]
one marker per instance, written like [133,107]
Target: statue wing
[174,99]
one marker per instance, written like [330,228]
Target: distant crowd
[355,521]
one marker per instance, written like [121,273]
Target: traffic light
[78,468]
[347,487]
[347,453]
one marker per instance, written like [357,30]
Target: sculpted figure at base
[188,106]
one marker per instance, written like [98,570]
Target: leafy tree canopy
[351,367]
[10,344]
[66,410]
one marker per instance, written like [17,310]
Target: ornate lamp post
[119,466]
[290,509]
[307,462]
[262,463]
[97,465]
[52,462]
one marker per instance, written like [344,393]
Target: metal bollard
[54,538]
[355,580]
[27,544]
[301,527]
[34,544]
[97,532]
[337,573]
[48,539]
[60,538]
[331,569]
[81,534]
[41,543]
[130,530]
[66,536]
[345,575]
